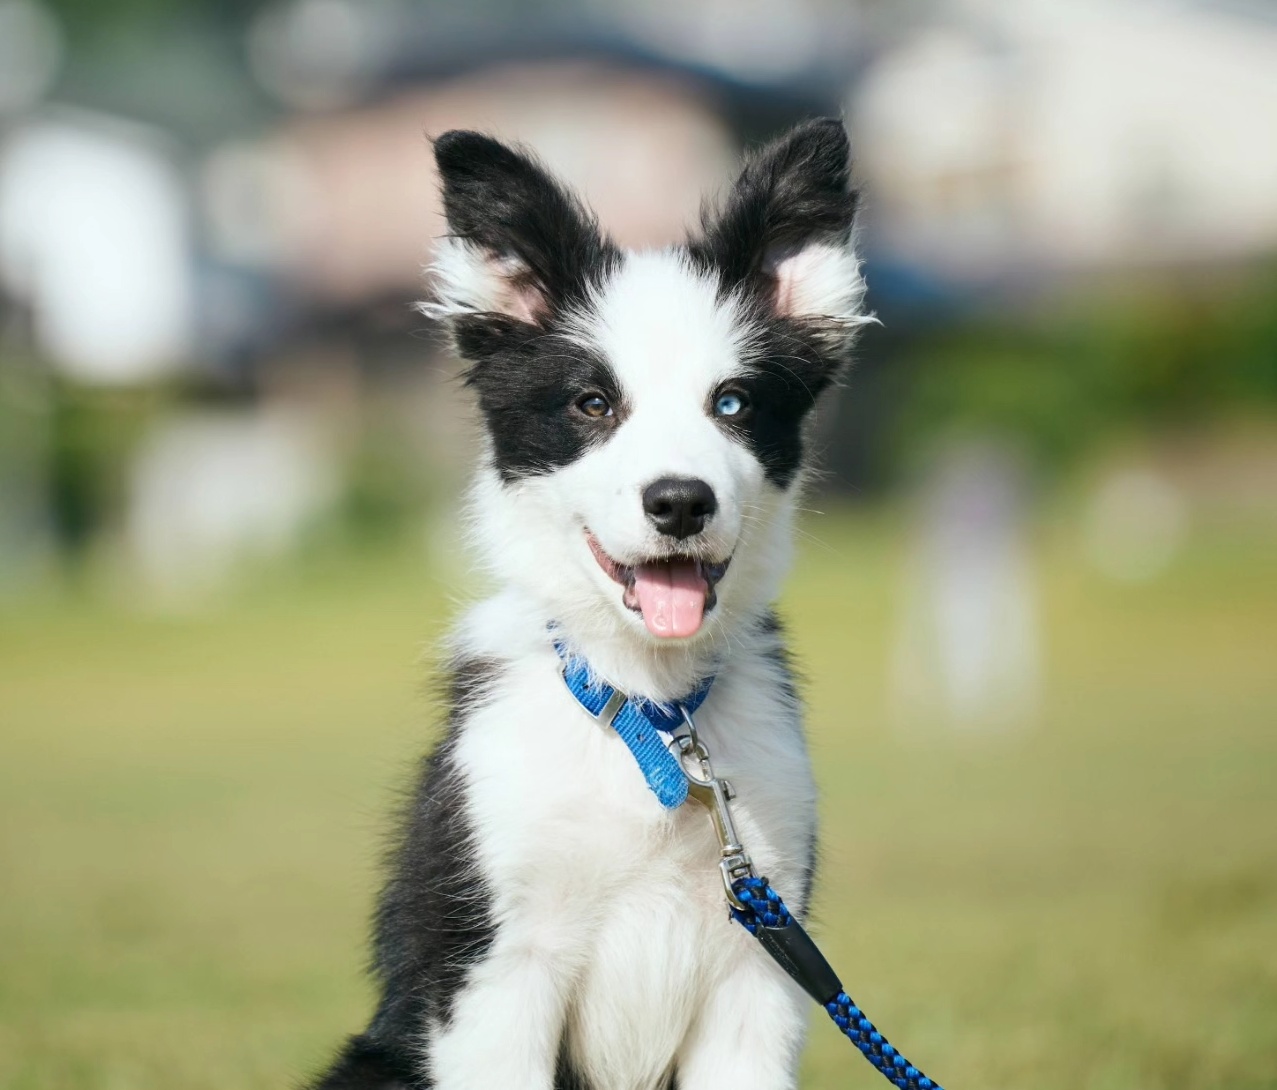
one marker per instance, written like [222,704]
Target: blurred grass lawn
[190,813]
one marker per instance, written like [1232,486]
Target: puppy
[548,923]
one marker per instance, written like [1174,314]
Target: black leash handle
[765,916]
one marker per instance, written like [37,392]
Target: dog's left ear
[784,233]
[520,246]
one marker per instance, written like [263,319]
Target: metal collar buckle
[607,714]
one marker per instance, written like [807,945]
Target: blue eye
[729,404]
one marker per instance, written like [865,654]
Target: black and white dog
[547,923]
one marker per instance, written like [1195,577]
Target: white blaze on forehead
[662,327]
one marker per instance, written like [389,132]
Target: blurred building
[1075,135]
[345,207]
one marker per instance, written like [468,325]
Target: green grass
[190,813]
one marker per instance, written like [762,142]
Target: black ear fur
[793,192]
[501,200]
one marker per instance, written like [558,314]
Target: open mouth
[672,593]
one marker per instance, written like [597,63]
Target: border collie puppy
[548,924]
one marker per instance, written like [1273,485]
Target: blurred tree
[86,20]
[92,434]
[1057,381]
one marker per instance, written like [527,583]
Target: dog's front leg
[505,1024]
[750,1031]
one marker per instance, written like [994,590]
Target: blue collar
[639,722]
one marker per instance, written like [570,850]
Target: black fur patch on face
[787,375]
[794,193]
[529,386]
[434,918]
[528,375]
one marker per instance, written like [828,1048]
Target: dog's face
[646,412]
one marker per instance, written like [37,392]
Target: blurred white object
[30,54]
[1135,525]
[94,239]
[209,490]
[967,653]
[1073,134]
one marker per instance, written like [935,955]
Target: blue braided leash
[763,911]
[643,725]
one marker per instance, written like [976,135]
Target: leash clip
[715,795]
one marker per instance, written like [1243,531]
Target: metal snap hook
[714,794]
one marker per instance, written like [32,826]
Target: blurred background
[1036,600]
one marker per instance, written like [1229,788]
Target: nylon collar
[639,722]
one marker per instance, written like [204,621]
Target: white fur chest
[616,903]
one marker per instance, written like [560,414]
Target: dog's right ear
[520,248]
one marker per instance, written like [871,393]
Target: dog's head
[646,412]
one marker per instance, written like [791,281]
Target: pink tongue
[671,596]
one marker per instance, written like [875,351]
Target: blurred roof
[206,73]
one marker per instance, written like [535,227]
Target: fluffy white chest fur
[610,914]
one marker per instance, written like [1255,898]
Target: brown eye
[594,405]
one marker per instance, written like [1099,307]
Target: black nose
[679,506]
